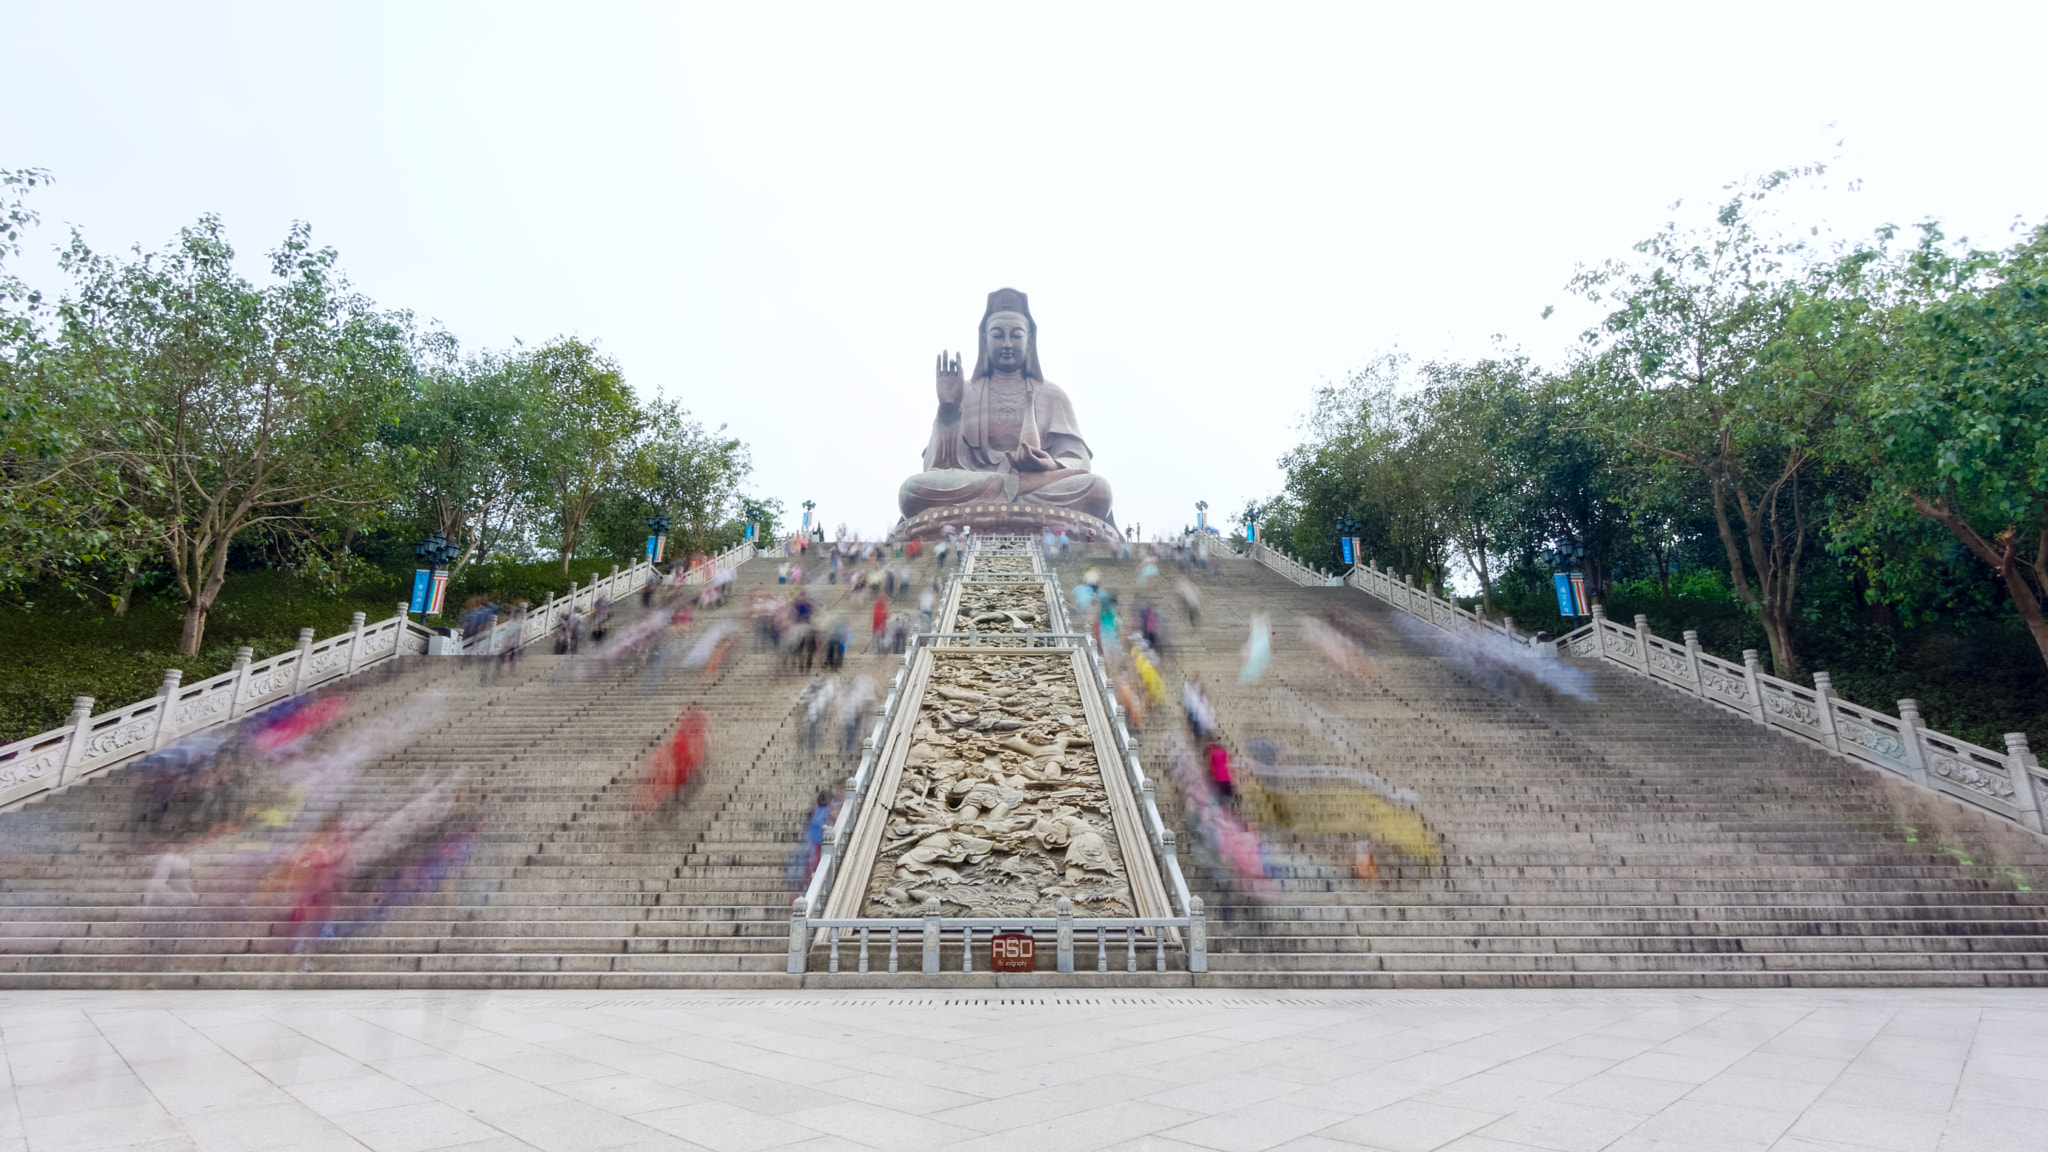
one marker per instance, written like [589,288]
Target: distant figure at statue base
[1006,453]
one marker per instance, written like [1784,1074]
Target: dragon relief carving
[1001,609]
[1018,563]
[1000,809]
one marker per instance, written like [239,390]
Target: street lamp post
[430,584]
[1348,547]
[657,541]
[1201,515]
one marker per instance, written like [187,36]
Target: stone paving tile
[1810,1071]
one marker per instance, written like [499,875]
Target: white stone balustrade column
[1752,668]
[931,935]
[1824,693]
[299,669]
[1909,735]
[169,693]
[355,640]
[240,668]
[799,935]
[1063,934]
[2020,764]
[1692,661]
[1198,936]
[74,750]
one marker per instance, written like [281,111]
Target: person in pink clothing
[1219,772]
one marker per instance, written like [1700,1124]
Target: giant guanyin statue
[1006,454]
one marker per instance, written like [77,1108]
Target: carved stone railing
[733,557]
[54,760]
[1293,569]
[1403,594]
[541,620]
[2008,784]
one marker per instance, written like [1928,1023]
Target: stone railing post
[1065,934]
[570,605]
[799,935]
[1752,671]
[74,750]
[2020,764]
[1909,735]
[355,639]
[1824,691]
[931,935]
[1643,641]
[1692,661]
[169,692]
[1169,853]
[299,669]
[243,655]
[1198,937]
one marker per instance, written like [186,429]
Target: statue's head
[1009,336]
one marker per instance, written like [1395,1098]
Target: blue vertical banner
[1201,520]
[807,520]
[1579,593]
[1350,556]
[751,530]
[1249,531]
[1566,606]
[650,549]
[421,578]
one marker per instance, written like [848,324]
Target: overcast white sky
[778,213]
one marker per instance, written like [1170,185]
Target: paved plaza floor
[1045,1072]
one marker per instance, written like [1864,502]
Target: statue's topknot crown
[1008,300]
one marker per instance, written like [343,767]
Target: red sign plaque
[1012,952]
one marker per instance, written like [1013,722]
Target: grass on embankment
[62,647]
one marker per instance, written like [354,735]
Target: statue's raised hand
[951,386]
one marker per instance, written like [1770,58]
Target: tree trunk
[127,593]
[196,608]
[2004,559]
[1485,584]
[1778,632]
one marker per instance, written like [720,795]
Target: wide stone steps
[1619,843]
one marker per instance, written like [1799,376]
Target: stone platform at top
[1006,453]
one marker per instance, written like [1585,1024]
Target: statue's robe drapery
[972,458]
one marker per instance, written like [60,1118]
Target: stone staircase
[1636,838]
[564,882]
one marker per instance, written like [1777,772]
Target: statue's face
[1008,336]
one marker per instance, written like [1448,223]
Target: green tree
[245,409]
[1959,415]
[1698,367]
[466,433]
[579,428]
